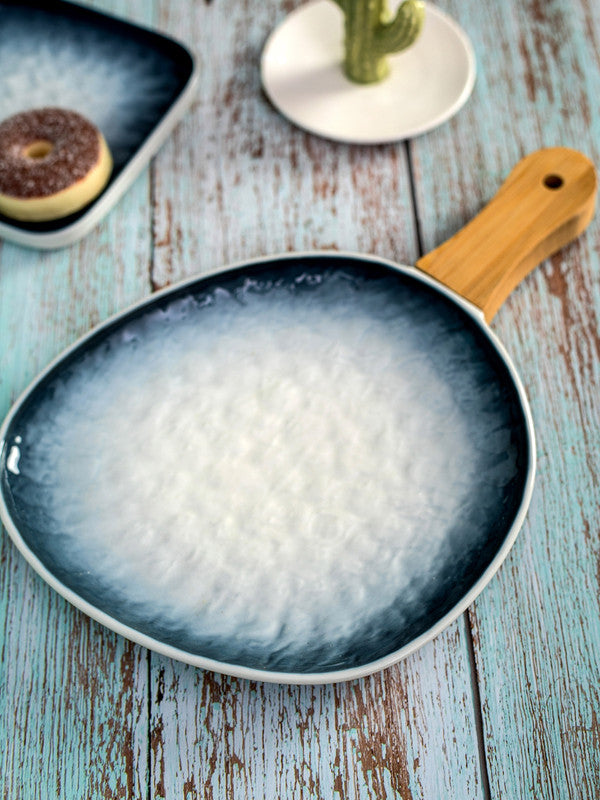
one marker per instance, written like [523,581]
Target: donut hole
[38,149]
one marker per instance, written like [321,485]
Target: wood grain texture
[237,181]
[257,185]
[73,695]
[536,627]
[545,203]
[506,702]
[397,734]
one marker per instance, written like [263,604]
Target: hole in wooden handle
[553,181]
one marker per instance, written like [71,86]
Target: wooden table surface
[506,702]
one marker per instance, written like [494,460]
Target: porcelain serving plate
[289,471]
[133,83]
[297,469]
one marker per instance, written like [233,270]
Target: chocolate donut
[53,162]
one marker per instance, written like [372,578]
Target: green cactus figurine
[371,34]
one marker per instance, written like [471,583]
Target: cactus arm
[371,34]
[402,31]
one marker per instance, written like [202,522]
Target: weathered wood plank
[397,734]
[239,181]
[537,626]
[88,714]
[73,695]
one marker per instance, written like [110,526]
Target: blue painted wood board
[505,703]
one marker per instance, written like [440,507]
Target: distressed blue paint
[237,181]
[73,696]
[536,628]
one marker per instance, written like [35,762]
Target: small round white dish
[301,70]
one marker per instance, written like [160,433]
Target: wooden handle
[547,201]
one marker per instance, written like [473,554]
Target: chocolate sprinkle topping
[75,150]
